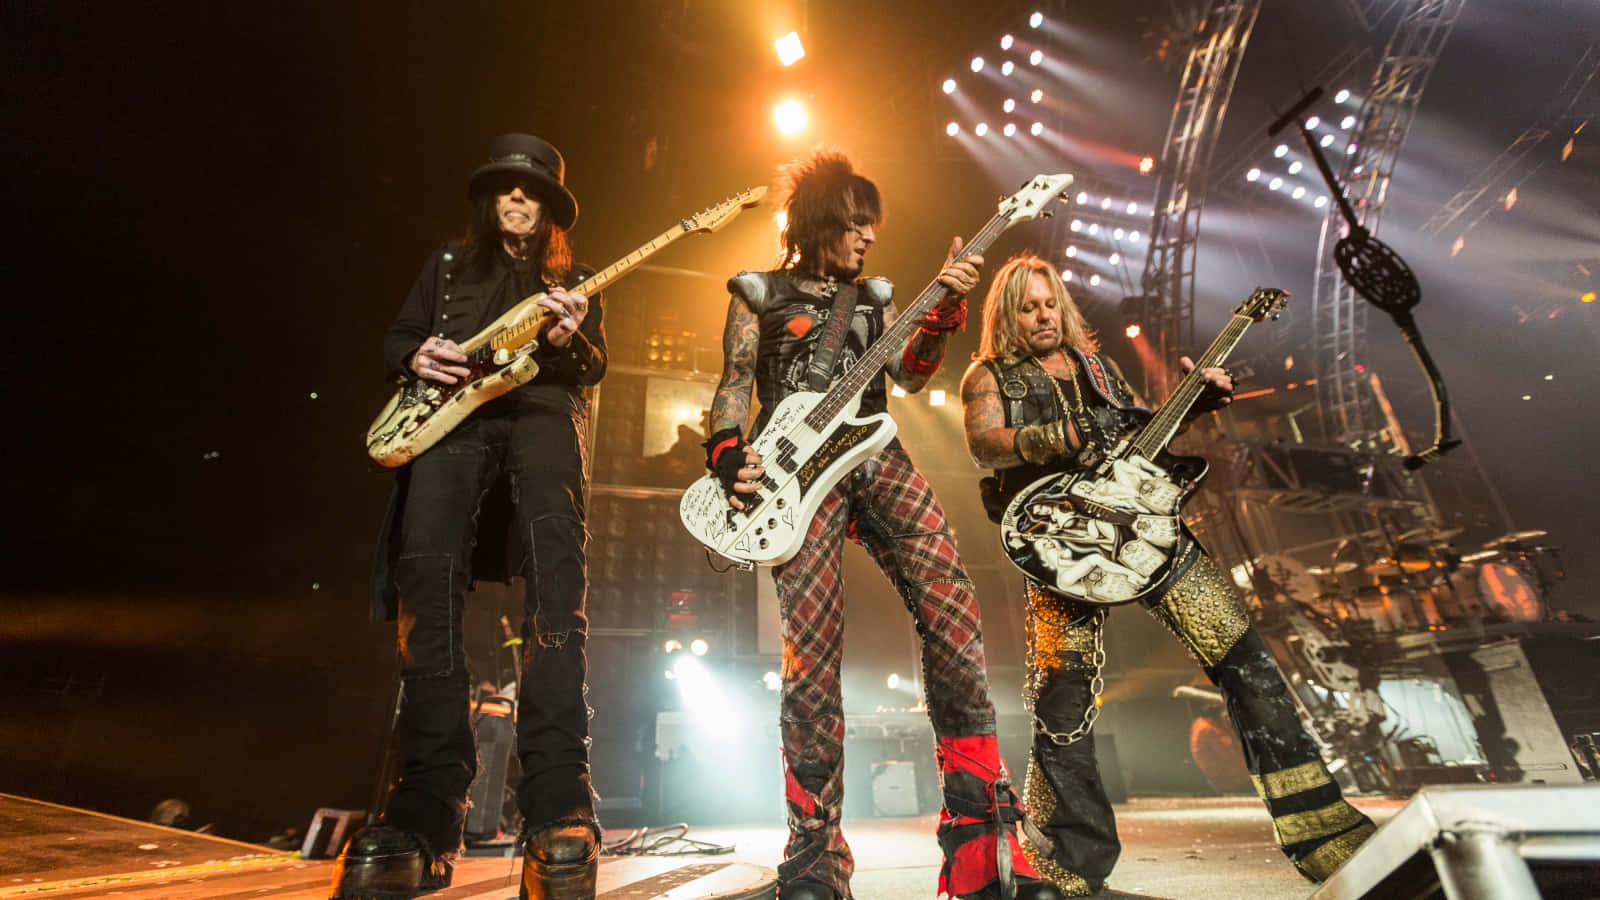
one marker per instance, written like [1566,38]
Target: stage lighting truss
[1310,193]
[1008,45]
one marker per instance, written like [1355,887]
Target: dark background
[216,208]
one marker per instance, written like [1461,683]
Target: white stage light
[952,129]
[1117,234]
[1295,167]
[1133,209]
[772,680]
[896,390]
[1350,150]
[949,86]
[1341,97]
[1036,96]
[1298,192]
[1077,225]
[1009,105]
[1035,57]
[1010,129]
[1105,203]
[1036,129]
[1134,237]
[1066,275]
[1275,183]
[1253,175]
[1094,227]
[1083,197]
[1005,42]
[1114,258]
[1312,123]
[790,116]
[789,48]
[1327,140]
[699,647]
[936,397]
[1280,151]
[1007,67]
[980,129]
[977,64]
[1320,202]
[1072,252]
[1347,123]
[1035,20]
[1094,280]
[893,681]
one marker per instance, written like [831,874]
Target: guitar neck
[521,331]
[1163,426]
[895,336]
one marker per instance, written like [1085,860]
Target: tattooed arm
[991,443]
[925,348]
[741,336]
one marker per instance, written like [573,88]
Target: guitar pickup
[769,483]
[785,457]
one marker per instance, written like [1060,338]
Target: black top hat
[535,160]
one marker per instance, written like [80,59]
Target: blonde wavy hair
[1002,339]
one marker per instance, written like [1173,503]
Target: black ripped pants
[541,454]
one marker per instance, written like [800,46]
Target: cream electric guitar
[1109,534]
[814,439]
[501,355]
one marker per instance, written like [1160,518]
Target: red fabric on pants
[898,519]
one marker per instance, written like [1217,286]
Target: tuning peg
[1046,214]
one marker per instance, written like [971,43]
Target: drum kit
[1419,582]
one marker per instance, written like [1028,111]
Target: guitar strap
[820,373]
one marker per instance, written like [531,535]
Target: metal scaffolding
[1197,115]
[1339,316]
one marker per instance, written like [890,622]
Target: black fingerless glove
[725,456]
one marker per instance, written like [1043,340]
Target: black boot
[560,862]
[382,862]
[805,890]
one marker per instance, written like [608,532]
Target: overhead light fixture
[1035,20]
[1007,67]
[1009,105]
[949,86]
[1037,95]
[1035,57]
[790,115]
[1280,151]
[952,129]
[1006,41]
[977,64]
[790,50]
[980,129]
[1341,97]
[1275,183]
[1036,129]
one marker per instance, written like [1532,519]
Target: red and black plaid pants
[887,505]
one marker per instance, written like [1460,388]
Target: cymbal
[1429,535]
[1515,536]
[1339,568]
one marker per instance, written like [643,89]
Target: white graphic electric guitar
[814,439]
[501,355]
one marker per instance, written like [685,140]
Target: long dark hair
[819,196]
[549,244]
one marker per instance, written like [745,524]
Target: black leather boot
[382,862]
[805,890]
[560,862]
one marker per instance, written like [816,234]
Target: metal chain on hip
[1097,684]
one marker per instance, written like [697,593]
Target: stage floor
[1213,848]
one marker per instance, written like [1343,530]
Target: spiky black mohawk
[819,195]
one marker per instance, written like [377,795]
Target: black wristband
[725,456]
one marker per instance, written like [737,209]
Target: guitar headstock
[1031,201]
[1264,303]
[713,218]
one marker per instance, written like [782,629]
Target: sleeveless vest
[792,322]
[1031,399]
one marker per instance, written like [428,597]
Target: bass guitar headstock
[1033,200]
[713,218]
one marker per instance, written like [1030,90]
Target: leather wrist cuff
[912,364]
[943,319]
[1040,444]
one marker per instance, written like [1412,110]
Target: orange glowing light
[1147,165]
[1133,330]
[790,115]
[1588,297]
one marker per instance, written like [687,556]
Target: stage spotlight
[1114,258]
[896,390]
[1133,209]
[1010,129]
[1320,202]
[1083,197]
[949,86]
[790,115]
[980,129]
[772,681]
[1347,123]
[1035,57]
[1077,225]
[1312,123]
[1253,175]
[1274,184]
[1066,275]
[1009,105]
[1005,42]
[672,645]
[1280,151]
[1094,280]
[1117,234]
[1298,192]
[952,129]
[1588,297]
[1134,237]
[781,219]
[1037,95]
[1147,164]
[1035,20]
[1036,129]
[790,50]
[1327,140]
[699,647]
[936,397]
[1094,227]
[1295,167]
[1350,150]
[1133,330]
[1105,203]
[1007,67]
[1341,97]
[977,64]
[1072,251]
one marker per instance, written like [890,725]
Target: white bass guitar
[814,439]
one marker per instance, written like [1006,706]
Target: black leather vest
[792,323]
[1029,398]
